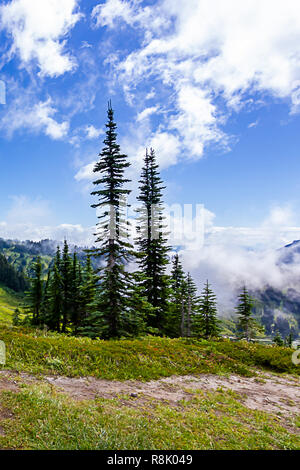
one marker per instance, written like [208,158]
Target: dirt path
[270,393]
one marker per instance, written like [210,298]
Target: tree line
[114,301]
[10,277]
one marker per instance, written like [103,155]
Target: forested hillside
[22,254]
[10,277]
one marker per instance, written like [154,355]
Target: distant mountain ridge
[280,310]
[289,252]
[21,254]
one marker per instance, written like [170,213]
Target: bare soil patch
[276,394]
[7,384]
[270,393]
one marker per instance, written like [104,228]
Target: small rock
[134,395]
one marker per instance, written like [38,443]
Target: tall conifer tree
[191,306]
[107,320]
[152,241]
[66,280]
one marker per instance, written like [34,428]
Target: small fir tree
[34,297]
[247,326]
[207,323]
[278,339]
[175,323]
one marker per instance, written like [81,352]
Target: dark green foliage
[55,305]
[140,310]
[191,306]
[247,326]
[66,281]
[66,296]
[174,326]
[278,339]
[109,318]
[83,289]
[206,322]
[34,296]
[10,277]
[289,341]
[16,319]
[152,241]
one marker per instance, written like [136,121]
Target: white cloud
[196,119]
[76,234]
[86,172]
[112,12]
[280,216]
[38,30]
[233,256]
[92,132]
[167,148]
[253,124]
[38,117]
[146,113]
[212,59]
[106,14]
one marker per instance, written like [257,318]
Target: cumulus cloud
[211,59]
[112,12]
[167,147]
[39,117]
[108,13]
[39,30]
[91,132]
[146,113]
[86,172]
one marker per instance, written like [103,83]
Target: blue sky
[213,86]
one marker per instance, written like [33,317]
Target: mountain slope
[21,254]
[280,309]
[9,301]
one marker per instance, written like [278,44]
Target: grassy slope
[9,300]
[43,418]
[142,359]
